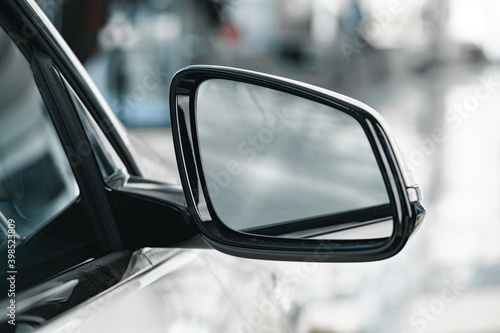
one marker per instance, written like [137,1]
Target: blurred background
[429,67]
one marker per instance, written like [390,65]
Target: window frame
[70,131]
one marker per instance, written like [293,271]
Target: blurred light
[481,28]
[230,33]
[324,24]
[168,27]
[118,33]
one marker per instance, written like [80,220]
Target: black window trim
[73,136]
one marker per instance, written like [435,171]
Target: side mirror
[277,169]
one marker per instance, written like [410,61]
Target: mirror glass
[280,165]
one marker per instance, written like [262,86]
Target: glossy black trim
[182,107]
[75,137]
[147,217]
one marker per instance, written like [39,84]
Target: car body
[93,244]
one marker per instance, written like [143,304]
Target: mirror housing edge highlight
[404,195]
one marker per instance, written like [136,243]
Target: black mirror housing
[404,207]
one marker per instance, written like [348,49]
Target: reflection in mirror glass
[281,165]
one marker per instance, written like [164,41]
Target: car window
[45,224]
